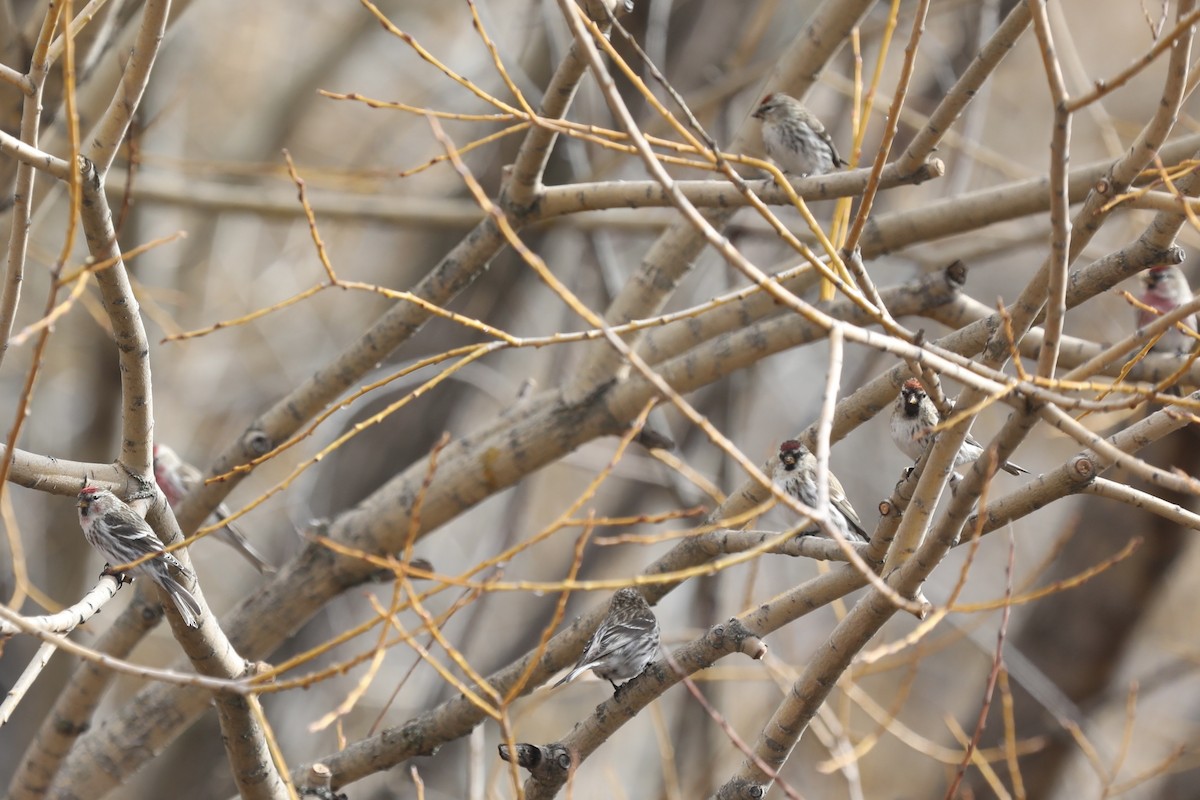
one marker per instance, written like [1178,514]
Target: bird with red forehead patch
[122,537]
[796,474]
[1164,289]
[913,418]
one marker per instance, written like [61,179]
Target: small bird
[623,645]
[1164,289]
[796,474]
[176,478]
[913,415]
[794,138]
[122,536]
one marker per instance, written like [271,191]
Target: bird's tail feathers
[237,540]
[573,674]
[189,609]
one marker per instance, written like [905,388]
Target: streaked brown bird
[794,138]
[796,474]
[625,642]
[914,415]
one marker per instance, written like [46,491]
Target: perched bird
[176,478]
[913,415]
[794,138]
[122,536]
[796,474]
[1164,289]
[624,644]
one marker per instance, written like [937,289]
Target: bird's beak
[912,400]
[81,503]
[758,113]
[789,462]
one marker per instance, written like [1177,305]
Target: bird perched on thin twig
[122,536]
[796,474]
[624,644]
[914,415]
[176,478]
[1164,289]
[794,138]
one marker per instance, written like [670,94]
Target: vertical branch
[129,333]
[110,132]
[18,243]
[1060,225]
[889,132]
[210,650]
[833,381]
[255,760]
[21,218]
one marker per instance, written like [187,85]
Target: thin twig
[997,665]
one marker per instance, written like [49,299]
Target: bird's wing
[613,635]
[850,514]
[838,161]
[141,539]
[837,496]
